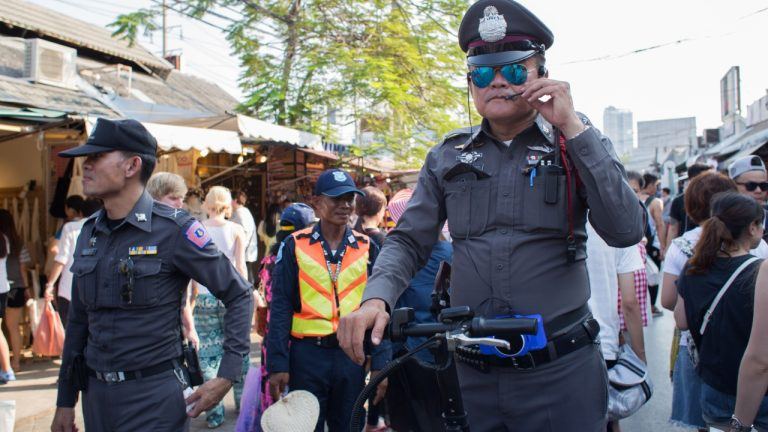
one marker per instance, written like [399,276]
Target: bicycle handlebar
[402,326]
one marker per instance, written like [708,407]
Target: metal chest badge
[493,26]
[469,157]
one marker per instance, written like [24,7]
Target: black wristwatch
[737,426]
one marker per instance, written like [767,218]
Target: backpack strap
[728,283]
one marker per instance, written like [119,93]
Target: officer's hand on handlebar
[208,395]
[351,333]
[64,420]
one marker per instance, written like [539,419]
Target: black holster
[193,365]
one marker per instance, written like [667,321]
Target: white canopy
[254,129]
[171,137]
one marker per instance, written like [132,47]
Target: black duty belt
[579,336]
[120,376]
[330,341]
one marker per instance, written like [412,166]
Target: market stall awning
[251,129]
[185,138]
[741,144]
[171,137]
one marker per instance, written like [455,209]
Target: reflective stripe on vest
[320,309]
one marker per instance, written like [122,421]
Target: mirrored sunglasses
[515,74]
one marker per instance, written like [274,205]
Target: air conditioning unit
[50,63]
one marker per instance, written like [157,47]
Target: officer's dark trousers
[569,394]
[332,377]
[154,403]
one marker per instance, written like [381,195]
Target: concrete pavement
[35,394]
[35,389]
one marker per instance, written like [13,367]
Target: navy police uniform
[124,324]
[516,212]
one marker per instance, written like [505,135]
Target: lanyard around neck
[334,275]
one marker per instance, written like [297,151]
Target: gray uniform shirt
[167,247]
[509,243]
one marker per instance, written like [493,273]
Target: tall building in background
[617,125]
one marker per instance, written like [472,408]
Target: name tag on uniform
[142,250]
[89,252]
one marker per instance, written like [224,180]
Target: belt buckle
[518,366]
[113,377]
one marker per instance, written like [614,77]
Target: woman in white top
[686,383]
[208,310]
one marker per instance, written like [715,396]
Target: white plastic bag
[7,414]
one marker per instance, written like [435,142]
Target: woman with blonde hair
[208,310]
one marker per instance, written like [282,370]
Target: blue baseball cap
[335,182]
[299,215]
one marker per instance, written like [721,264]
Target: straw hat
[295,412]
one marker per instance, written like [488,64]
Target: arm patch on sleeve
[197,234]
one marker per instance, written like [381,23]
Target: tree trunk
[290,53]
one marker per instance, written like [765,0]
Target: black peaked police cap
[109,135]
[496,32]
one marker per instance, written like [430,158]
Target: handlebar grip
[503,326]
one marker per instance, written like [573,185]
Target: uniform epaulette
[303,233]
[181,217]
[360,236]
[455,133]
[584,119]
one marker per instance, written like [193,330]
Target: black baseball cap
[497,32]
[109,135]
[335,182]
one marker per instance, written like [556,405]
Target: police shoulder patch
[197,234]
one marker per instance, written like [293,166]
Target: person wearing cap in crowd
[295,217]
[319,277]
[133,260]
[515,192]
[751,179]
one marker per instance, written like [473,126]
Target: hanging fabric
[76,182]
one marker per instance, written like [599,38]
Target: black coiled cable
[358,413]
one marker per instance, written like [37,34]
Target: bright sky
[678,80]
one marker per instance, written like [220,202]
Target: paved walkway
[35,394]
[35,390]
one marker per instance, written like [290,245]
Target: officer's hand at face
[208,395]
[351,333]
[558,109]
[277,383]
[64,420]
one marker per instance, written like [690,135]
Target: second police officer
[133,261]
[516,192]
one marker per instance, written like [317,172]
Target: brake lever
[463,340]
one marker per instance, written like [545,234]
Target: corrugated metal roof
[18,92]
[54,25]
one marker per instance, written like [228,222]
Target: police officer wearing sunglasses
[133,261]
[751,179]
[515,191]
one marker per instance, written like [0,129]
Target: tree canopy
[394,66]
